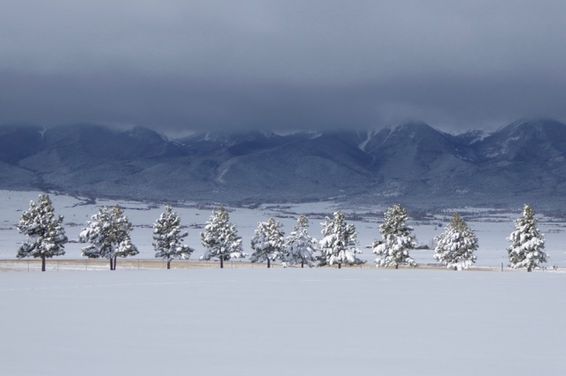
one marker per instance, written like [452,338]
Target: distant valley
[412,163]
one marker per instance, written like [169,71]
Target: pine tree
[220,238]
[527,243]
[268,242]
[456,245]
[46,235]
[108,231]
[339,243]
[168,238]
[397,239]
[299,245]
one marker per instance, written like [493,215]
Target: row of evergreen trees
[108,234]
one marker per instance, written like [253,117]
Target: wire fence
[86,264]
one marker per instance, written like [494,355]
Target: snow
[397,239]
[221,238]
[300,245]
[455,247]
[527,246]
[491,226]
[369,136]
[282,322]
[268,242]
[223,170]
[168,237]
[339,244]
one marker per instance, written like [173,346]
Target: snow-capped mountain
[413,162]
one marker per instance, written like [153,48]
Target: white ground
[492,227]
[282,322]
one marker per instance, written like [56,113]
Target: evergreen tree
[268,242]
[220,238]
[108,231]
[397,239]
[527,243]
[168,238]
[339,243]
[456,245]
[299,245]
[45,232]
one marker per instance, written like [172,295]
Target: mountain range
[412,163]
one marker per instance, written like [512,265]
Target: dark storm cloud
[281,64]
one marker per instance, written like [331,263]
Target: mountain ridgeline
[411,163]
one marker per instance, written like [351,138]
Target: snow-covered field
[282,322]
[253,321]
[492,227]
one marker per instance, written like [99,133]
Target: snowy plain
[282,322]
[491,226]
[253,321]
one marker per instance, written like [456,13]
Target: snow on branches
[299,245]
[168,237]
[108,231]
[397,239]
[220,238]
[456,245]
[268,242]
[45,232]
[527,243]
[339,243]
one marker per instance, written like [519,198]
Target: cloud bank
[176,65]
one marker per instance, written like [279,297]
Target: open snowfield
[282,322]
[491,226]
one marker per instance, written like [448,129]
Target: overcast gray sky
[188,64]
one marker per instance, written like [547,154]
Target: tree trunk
[396,266]
[302,264]
[268,263]
[168,264]
[221,262]
[339,266]
[115,262]
[111,263]
[529,269]
[42,263]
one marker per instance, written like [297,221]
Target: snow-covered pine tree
[268,242]
[108,231]
[168,237]
[220,238]
[397,239]
[527,243]
[299,245]
[339,244]
[46,235]
[456,245]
